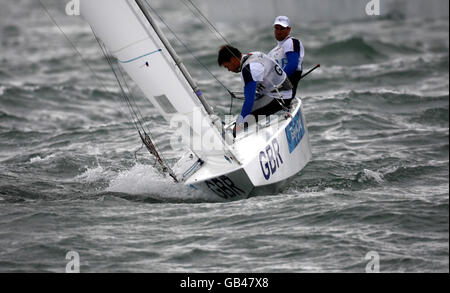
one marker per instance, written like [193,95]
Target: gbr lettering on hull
[270,159]
[224,187]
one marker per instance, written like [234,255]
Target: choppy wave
[145,180]
[348,52]
[72,175]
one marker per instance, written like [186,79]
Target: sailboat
[259,161]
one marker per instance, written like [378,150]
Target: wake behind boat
[260,160]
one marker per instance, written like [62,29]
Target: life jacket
[290,44]
[275,83]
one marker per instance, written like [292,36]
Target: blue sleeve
[249,92]
[292,64]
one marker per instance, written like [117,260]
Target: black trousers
[275,106]
[271,108]
[295,78]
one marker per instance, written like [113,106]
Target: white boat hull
[269,161]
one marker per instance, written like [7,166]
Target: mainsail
[128,32]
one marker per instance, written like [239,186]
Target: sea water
[74,181]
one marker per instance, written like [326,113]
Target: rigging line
[187,48]
[133,99]
[145,137]
[70,41]
[232,95]
[212,25]
[158,154]
[129,95]
[218,32]
[137,114]
[207,20]
[213,29]
[101,84]
[197,15]
[136,151]
[78,52]
[125,96]
[162,161]
[231,105]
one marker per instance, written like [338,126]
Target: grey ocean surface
[378,117]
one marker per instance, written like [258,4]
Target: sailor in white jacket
[267,89]
[289,51]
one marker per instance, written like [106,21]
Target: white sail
[129,36]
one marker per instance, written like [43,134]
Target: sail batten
[136,58]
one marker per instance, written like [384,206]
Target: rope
[125,96]
[232,95]
[207,20]
[137,115]
[186,46]
[97,79]
[201,17]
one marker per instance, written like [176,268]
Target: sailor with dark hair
[289,51]
[267,89]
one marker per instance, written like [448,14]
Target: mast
[175,57]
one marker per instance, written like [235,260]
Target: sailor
[267,89]
[289,51]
